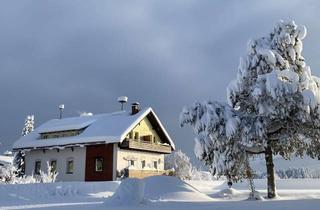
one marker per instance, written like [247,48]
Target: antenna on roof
[122,100]
[61,108]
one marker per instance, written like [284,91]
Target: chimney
[135,108]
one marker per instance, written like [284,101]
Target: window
[99,164]
[143,164]
[155,164]
[61,134]
[70,166]
[147,138]
[136,135]
[53,165]
[37,167]
[130,135]
[131,162]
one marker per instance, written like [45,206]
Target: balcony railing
[146,146]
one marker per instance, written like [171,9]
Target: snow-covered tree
[18,160]
[28,125]
[216,144]
[273,107]
[180,163]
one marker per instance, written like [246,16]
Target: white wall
[120,161]
[79,162]
[123,157]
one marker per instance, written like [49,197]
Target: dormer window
[61,134]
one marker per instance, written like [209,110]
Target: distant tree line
[292,173]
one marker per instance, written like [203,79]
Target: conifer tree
[273,108]
[28,125]
[18,160]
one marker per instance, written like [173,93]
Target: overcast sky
[164,54]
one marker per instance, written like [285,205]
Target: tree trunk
[270,172]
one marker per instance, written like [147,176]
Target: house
[99,147]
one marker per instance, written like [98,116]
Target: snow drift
[152,189]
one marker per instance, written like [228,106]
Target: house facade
[100,147]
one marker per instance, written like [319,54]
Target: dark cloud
[164,54]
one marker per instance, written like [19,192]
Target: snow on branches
[273,103]
[180,163]
[28,125]
[215,125]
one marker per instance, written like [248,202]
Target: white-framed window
[99,164]
[143,164]
[131,162]
[70,166]
[155,164]
[53,165]
[37,167]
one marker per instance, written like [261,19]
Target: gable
[150,127]
[145,130]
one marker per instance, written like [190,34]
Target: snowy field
[159,193]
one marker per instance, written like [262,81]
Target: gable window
[70,166]
[53,166]
[99,164]
[130,135]
[37,167]
[136,135]
[147,138]
[143,164]
[155,164]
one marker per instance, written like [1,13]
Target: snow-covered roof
[4,159]
[102,128]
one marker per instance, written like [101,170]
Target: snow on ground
[156,189]
[16,196]
[160,193]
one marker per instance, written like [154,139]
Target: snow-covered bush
[49,176]
[273,108]
[9,175]
[180,164]
[199,175]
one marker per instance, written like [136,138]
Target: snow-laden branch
[273,99]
